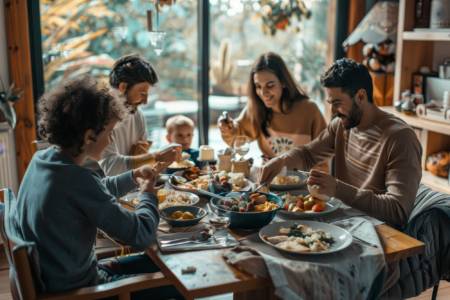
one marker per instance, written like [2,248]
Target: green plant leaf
[9,113]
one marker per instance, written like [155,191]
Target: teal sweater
[60,206]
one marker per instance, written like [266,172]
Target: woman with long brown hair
[278,115]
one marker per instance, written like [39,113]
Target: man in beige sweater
[377,155]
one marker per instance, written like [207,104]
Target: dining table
[215,276]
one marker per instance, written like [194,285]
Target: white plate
[249,187]
[342,237]
[290,187]
[330,206]
[134,195]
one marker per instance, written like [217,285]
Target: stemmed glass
[242,145]
[221,220]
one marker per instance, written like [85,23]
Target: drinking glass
[221,221]
[242,145]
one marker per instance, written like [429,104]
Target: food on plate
[221,182]
[302,238]
[313,190]
[256,203]
[178,215]
[206,153]
[308,204]
[287,180]
[189,270]
[173,198]
[181,164]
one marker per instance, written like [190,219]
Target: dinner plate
[342,237]
[134,195]
[330,206]
[290,187]
[249,187]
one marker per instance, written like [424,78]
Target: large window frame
[203,54]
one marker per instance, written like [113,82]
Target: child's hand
[148,171]
[169,155]
[224,124]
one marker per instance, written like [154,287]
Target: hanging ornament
[156,37]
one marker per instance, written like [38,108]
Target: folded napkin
[356,272]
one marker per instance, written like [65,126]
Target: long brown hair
[262,116]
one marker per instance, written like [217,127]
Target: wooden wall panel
[355,15]
[18,39]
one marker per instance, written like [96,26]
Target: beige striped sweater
[378,167]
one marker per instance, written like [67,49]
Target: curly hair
[349,75]
[132,69]
[72,108]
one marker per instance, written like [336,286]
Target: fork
[357,239]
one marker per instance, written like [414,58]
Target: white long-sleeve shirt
[116,158]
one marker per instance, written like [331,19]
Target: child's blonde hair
[178,120]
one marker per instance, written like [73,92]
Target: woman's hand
[327,183]
[169,155]
[225,125]
[270,170]
[146,177]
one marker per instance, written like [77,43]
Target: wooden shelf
[434,182]
[427,36]
[417,122]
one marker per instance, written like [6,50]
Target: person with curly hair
[377,155]
[61,205]
[134,76]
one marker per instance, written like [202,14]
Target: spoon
[213,195]
[177,179]
[238,194]
[303,172]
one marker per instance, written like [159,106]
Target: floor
[444,289]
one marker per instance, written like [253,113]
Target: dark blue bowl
[251,220]
[198,212]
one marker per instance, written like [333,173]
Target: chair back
[22,275]
[40,145]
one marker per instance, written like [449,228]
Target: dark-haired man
[377,155]
[134,76]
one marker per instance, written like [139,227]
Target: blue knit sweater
[61,205]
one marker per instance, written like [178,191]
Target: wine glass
[221,221]
[242,145]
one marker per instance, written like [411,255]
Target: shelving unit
[414,50]
[426,36]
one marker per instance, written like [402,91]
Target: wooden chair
[24,274]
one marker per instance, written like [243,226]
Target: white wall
[4,69]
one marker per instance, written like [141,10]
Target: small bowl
[199,212]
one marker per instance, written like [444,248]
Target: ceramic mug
[224,162]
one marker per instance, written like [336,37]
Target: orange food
[254,195]
[300,203]
[286,207]
[318,208]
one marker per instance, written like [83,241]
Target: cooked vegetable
[286,207]
[291,206]
[250,207]
[296,230]
[188,216]
[176,215]
[318,201]
[254,195]
[242,204]
[300,203]
[318,208]
[297,209]
[235,208]
[308,205]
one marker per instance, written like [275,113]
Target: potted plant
[7,98]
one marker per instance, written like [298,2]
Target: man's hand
[146,177]
[169,155]
[270,170]
[225,125]
[327,184]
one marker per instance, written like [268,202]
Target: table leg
[267,293]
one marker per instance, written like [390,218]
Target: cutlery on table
[166,177]
[213,195]
[357,239]
[126,203]
[197,238]
[303,172]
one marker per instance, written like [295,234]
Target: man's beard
[354,117]
[130,107]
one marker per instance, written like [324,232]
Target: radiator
[8,161]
